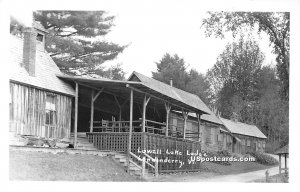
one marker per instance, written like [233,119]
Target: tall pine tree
[75,40]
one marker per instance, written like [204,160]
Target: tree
[276,25]
[115,72]
[233,79]
[74,40]
[198,85]
[171,67]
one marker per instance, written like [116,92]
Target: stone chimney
[29,50]
[171,82]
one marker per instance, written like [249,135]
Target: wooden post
[92,111]
[76,116]
[156,167]
[279,163]
[146,100]
[168,109]
[285,164]
[185,116]
[199,125]
[93,99]
[143,166]
[130,130]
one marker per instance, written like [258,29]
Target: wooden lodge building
[124,116]
[246,138]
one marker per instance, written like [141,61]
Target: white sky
[153,28]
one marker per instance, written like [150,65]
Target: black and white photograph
[152,92]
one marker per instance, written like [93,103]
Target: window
[212,135]
[50,110]
[40,37]
[248,142]
[243,142]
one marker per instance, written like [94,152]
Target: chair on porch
[106,127]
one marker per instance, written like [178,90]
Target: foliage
[197,84]
[263,158]
[233,79]
[275,25]
[220,154]
[114,72]
[174,67]
[171,67]
[75,40]
[239,84]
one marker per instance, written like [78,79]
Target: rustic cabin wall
[28,111]
[250,144]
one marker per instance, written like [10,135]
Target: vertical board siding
[27,112]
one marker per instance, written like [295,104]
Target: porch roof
[120,88]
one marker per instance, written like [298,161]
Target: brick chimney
[29,50]
[34,39]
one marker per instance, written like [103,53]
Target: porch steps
[121,158]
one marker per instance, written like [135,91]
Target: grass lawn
[274,179]
[40,166]
[234,168]
[210,169]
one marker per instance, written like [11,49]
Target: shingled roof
[243,128]
[46,70]
[171,92]
[283,150]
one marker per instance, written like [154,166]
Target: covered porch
[129,116]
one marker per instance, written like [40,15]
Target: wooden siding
[28,111]
[208,131]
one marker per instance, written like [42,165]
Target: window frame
[50,110]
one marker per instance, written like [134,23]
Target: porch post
[76,116]
[168,109]
[199,124]
[145,103]
[279,163]
[120,108]
[285,164]
[92,111]
[130,130]
[185,116]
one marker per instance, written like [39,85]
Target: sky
[154,28]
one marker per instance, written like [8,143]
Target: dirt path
[210,177]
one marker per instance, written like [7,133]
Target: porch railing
[172,154]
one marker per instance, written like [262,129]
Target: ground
[41,166]
[44,166]
[274,179]
[237,172]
